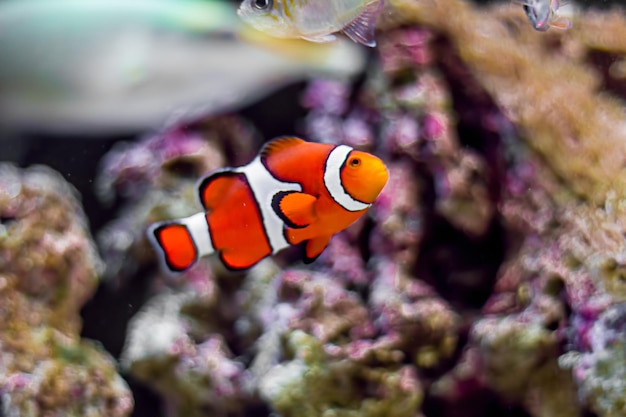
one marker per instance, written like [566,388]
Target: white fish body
[314,20]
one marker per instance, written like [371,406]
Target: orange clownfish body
[293,192]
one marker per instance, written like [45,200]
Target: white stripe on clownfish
[333,183]
[264,187]
[199,231]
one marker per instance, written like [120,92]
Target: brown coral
[48,269]
[551,94]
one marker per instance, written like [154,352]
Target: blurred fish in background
[546,14]
[314,20]
[97,67]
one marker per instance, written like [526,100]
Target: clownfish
[292,192]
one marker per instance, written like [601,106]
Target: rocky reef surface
[489,278]
[48,269]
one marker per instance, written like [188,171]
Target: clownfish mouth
[373,186]
[379,181]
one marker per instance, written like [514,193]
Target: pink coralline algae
[600,370]
[410,48]
[190,148]
[313,384]
[333,361]
[399,229]
[48,269]
[193,369]
[46,250]
[408,311]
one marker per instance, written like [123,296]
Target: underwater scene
[312,208]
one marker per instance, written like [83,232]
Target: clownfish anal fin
[214,187]
[236,262]
[297,210]
[314,248]
[279,144]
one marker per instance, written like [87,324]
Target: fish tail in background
[180,243]
[363,28]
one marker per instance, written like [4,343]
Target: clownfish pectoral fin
[175,245]
[314,248]
[277,145]
[363,28]
[297,210]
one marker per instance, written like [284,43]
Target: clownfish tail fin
[180,243]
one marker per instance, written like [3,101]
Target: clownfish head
[363,176]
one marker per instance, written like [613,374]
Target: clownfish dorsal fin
[279,144]
[314,248]
[296,209]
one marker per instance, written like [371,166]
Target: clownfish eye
[355,162]
[262,4]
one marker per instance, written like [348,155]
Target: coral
[70,379]
[194,145]
[310,385]
[419,122]
[399,228]
[193,369]
[403,318]
[563,253]
[323,308]
[409,312]
[519,360]
[46,251]
[347,357]
[551,291]
[600,370]
[549,93]
[48,270]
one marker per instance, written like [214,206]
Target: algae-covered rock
[312,384]
[519,361]
[548,85]
[48,269]
[72,379]
[172,349]
[601,370]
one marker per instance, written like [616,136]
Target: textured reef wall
[489,279]
[48,270]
